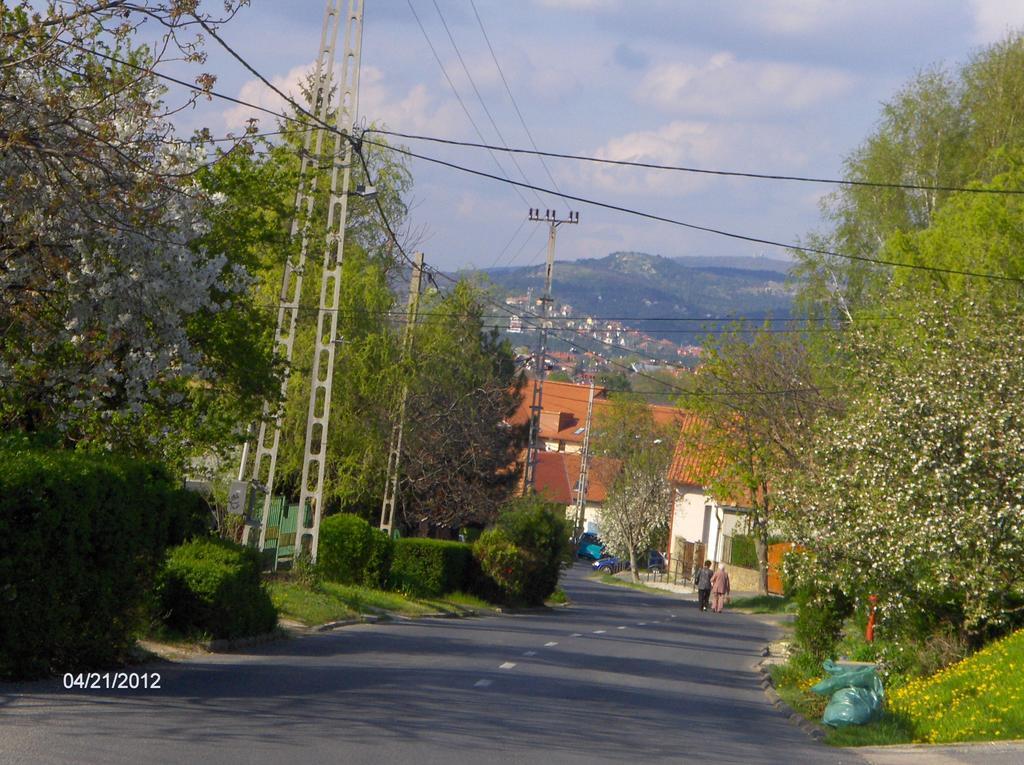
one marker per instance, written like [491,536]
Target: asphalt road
[619,676]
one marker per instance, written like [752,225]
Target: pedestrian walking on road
[719,589]
[702,581]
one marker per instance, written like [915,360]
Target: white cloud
[703,145]
[994,18]
[255,92]
[414,110]
[793,17]
[725,86]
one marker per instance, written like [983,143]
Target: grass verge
[793,683]
[978,699]
[331,602]
[617,582]
[764,604]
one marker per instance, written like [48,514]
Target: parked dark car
[656,561]
[611,564]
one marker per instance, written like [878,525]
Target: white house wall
[688,514]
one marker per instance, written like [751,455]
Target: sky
[786,87]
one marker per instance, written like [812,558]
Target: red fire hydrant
[869,633]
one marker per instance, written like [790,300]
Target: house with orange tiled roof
[697,516]
[563,422]
[558,475]
[563,416]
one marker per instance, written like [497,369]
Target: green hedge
[345,548]
[429,567]
[213,586]
[378,566]
[83,536]
[744,552]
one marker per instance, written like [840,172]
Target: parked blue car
[611,563]
[655,561]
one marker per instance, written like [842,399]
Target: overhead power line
[512,98]
[582,200]
[458,97]
[697,227]
[696,170]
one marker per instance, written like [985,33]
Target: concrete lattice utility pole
[262,472]
[387,512]
[318,417]
[582,484]
[553,221]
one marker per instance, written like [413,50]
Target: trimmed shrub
[505,568]
[540,532]
[213,586]
[345,547]
[378,565]
[84,536]
[744,552]
[429,567]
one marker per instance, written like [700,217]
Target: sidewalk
[982,753]
[685,591]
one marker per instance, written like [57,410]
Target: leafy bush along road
[212,586]
[84,535]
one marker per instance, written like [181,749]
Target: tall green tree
[757,397]
[942,129]
[460,456]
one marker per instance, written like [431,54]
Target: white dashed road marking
[599,632]
[551,643]
[530,653]
[641,624]
[576,634]
[481,683]
[620,628]
[507,665]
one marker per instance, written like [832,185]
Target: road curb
[812,729]
[223,645]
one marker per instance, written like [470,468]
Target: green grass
[764,604]
[330,602]
[611,579]
[978,699]
[557,598]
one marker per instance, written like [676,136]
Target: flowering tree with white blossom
[107,288]
[917,495]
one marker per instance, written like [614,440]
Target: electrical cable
[697,227]
[697,170]
[458,97]
[479,97]
[515,105]
[583,200]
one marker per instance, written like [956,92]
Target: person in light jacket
[719,589]
[702,581]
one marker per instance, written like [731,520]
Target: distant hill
[648,287]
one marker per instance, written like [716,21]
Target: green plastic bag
[857,695]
